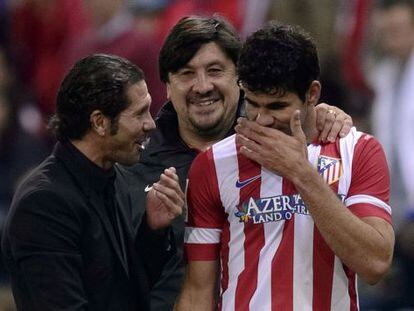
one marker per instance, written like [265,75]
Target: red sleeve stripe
[367,210]
[201,252]
[202,235]
[363,198]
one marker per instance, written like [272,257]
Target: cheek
[229,87]
[251,112]
[179,89]
[138,128]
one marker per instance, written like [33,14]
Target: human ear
[313,93]
[168,92]
[99,122]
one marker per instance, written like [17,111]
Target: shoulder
[357,142]
[49,187]
[354,141]
[225,147]
[218,158]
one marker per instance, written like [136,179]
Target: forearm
[197,292]
[359,245]
[195,299]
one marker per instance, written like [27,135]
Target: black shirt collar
[98,178]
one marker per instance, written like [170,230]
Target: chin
[207,125]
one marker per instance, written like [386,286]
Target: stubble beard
[209,131]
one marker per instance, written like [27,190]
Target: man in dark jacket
[198,64]
[68,240]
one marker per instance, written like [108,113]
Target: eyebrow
[212,63]
[275,103]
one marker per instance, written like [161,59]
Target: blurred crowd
[367,56]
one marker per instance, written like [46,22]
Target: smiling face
[205,93]
[275,111]
[133,125]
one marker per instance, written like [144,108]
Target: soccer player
[291,220]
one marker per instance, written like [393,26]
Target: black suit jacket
[61,249]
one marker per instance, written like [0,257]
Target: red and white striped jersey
[272,255]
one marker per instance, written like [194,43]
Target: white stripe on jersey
[363,198]
[270,185]
[347,148]
[201,235]
[303,265]
[340,301]
[226,164]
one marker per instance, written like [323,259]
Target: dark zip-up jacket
[165,149]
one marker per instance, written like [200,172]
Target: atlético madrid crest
[330,169]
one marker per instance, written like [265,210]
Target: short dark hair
[96,82]
[278,59]
[189,34]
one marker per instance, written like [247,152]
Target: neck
[89,147]
[194,141]
[311,135]
[309,126]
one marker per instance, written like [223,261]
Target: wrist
[303,175]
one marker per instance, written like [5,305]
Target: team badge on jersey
[330,169]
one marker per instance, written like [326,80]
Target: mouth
[142,144]
[204,102]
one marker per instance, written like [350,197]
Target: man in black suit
[68,241]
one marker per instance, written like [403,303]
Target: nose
[149,123]
[263,118]
[202,84]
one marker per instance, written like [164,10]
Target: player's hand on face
[331,122]
[165,201]
[280,153]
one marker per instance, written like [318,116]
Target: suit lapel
[136,263]
[98,206]
[125,213]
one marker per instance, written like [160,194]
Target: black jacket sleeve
[42,240]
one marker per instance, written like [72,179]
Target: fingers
[341,126]
[329,120]
[168,190]
[173,208]
[296,126]
[170,172]
[253,131]
[254,156]
[248,146]
[168,184]
[332,122]
[347,125]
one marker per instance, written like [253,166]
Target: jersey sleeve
[205,213]
[369,191]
